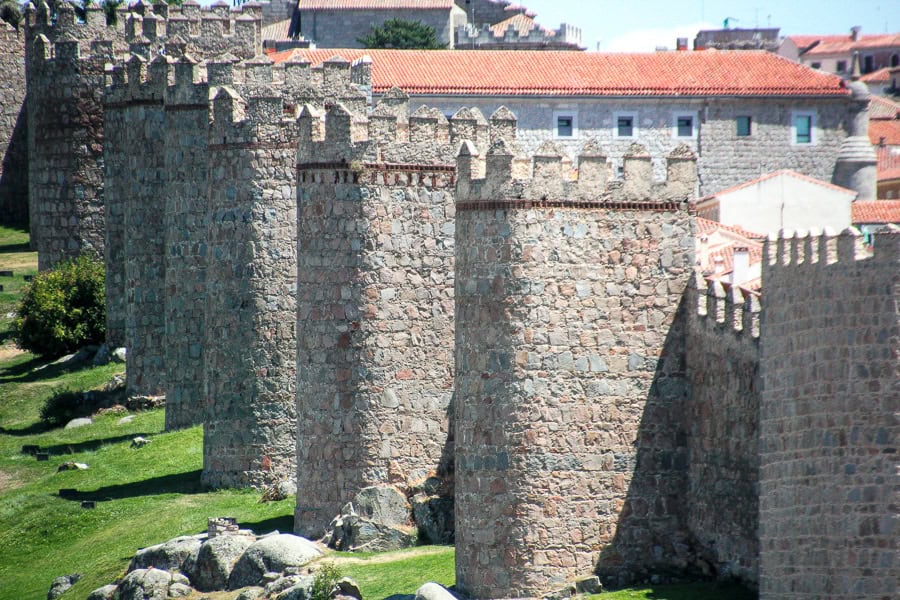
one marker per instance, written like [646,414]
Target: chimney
[854,33]
[740,272]
[681,44]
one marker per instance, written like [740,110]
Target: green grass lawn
[148,495]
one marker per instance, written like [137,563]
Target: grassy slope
[148,495]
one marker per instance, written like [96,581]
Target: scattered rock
[145,584]
[145,402]
[115,409]
[119,355]
[351,532]
[434,591]
[175,554]
[349,588]
[301,591]
[279,491]
[272,553]
[283,583]
[434,517]
[79,422]
[385,505]
[125,420]
[179,590]
[216,559]
[61,584]
[140,442]
[72,466]
[251,593]
[588,585]
[107,592]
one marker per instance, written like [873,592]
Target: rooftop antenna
[727,21]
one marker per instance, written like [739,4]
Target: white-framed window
[803,128]
[625,125]
[565,124]
[684,125]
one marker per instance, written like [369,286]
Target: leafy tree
[397,33]
[11,12]
[109,9]
[63,309]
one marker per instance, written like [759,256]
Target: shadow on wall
[14,176]
[652,542]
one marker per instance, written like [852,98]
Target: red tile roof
[375,4]
[829,45]
[876,211]
[805,41]
[561,73]
[883,129]
[522,24]
[706,226]
[883,108]
[715,244]
[888,161]
[881,75]
[276,31]
[779,173]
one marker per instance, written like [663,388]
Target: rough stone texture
[829,418]
[215,561]
[273,553]
[107,592]
[374,304]
[382,504]
[570,451]
[250,425]
[433,591]
[722,422]
[176,553]
[341,28]
[13,127]
[145,584]
[60,585]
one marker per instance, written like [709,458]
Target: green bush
[63,309]
[325,582]
[63,406]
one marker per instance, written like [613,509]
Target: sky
[642,25]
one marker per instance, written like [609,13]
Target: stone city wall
[342,28]
[570,451]
[13,127]
[829,417]
[722,422]
[375,301]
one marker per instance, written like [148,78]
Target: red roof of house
[876,211]
[844,44]
[561,73]
[805,41]
[881,75]
[889,131]
[888,161]
[774,174]
[883,108]
[375,4]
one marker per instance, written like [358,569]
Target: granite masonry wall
[570,451]
[341,28]
[722,423]
[13,127]
[375,301]
[829,417]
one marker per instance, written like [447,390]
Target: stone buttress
[375,301]
[830,341]
[569,384]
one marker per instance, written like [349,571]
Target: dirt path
[383,557]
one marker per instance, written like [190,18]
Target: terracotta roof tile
[375,4]
[883,108]
[561,73]
[888,160]
[522,24]
[805,41]
[889,131]
[779,173]
[876,211]
[881,75]
[715,245]
[829,45]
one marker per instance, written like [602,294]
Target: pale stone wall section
[570,452]
[829,417]
[13,122]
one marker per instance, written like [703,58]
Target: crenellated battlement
[817,249]
[503,174]
[726,307]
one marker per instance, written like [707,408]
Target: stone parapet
[828,431]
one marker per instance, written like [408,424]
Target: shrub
[63,406]
[63,309]
[325,582]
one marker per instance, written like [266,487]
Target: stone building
[834,53]
[742,113]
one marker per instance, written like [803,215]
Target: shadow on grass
[30,370]
[33,429]
[89,445]
[179,483]
[707,591]
[283,524]
[22,247]
[401,597]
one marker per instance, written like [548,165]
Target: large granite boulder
[61,584]
[107,592]
[434,591]
[215,561]
[385,505]
[434,517]
[145,584]
[175,555]
[273,553]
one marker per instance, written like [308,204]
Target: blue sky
[641,25]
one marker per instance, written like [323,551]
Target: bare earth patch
[384,556]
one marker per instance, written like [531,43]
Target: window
[816,65]
[802,128]
[895,60]
[842,66]
[565,124]
[625,125]
[683,126]
[744,125]
[868,63]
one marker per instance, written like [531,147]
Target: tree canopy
[11,12]
[400,34]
